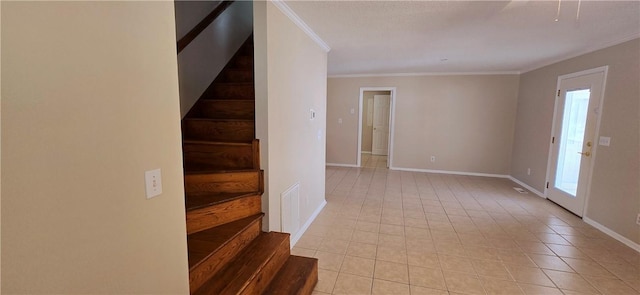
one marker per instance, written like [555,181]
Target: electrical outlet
[433,158]
[153,183]
[638,219]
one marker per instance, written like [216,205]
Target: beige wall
[614,200]
[89,102]
[367,131]
[290,80]
[465,121]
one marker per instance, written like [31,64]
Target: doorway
[375,131]
[573,142]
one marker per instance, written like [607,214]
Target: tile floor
[392,232]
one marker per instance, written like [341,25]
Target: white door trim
[605,70]
[392,118]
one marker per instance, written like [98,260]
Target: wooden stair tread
[207,242]
[207,142]
[218,120]
[298,275]
[252,269]
[219,171]
[201,200]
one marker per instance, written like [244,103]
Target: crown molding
[423,74]
[301,24]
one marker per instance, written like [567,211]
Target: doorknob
[586,154]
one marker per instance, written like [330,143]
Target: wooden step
[205,211]
[210,155]
[212,249]
[244,61]
[253,269]
[223,109]
[221,130]
[247,181]
[230,91]
[236,75]
[298,276]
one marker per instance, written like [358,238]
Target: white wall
[291,79]
[466,122]
[205,57]
[190,13]
[89,102]
[614,199]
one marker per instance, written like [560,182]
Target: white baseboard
[611,233]
[528,187]
[305,226]
[341,165]
[365,152]
[450,172]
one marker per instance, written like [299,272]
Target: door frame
[594,151]
[392,108]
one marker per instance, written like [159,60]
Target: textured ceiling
[383,37]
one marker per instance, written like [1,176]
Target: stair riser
[208,217]
[231,91]
[225,131]
[260,282]
[217,157]
[298,276]
[232,182]
[243,62]
[225,109]
[208,268]
[236,75]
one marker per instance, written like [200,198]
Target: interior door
[380,141]
[572,146]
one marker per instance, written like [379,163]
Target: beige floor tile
[391,229]
[309,241]
[368,226]
[391,255]
[365,237]
[416,232]
[303,252]
[570,281]
[334,246]
[491,268]
[515,258]
[611,285]
[381,287]
[326,280]
[550,262]
[409,219]
[422,258]
[495,286]
[539,290]
[426,277]
[588,267]
[391,271]
[351,284]
[329,261]
[529,275]
[358,266]
[456,263]
[417,290]
[362,250]
[463,283]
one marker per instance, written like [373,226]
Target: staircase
[228,251]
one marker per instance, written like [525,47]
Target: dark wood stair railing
[203,24]
[228,251]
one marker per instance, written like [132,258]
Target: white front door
[380,141]
[578,102]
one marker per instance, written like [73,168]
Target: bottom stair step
[254,267]
[298,276]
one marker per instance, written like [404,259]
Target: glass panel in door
[574,123]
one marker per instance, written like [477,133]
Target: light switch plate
[605,141]
[153,183]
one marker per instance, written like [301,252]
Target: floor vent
[290,209]
[520,190]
